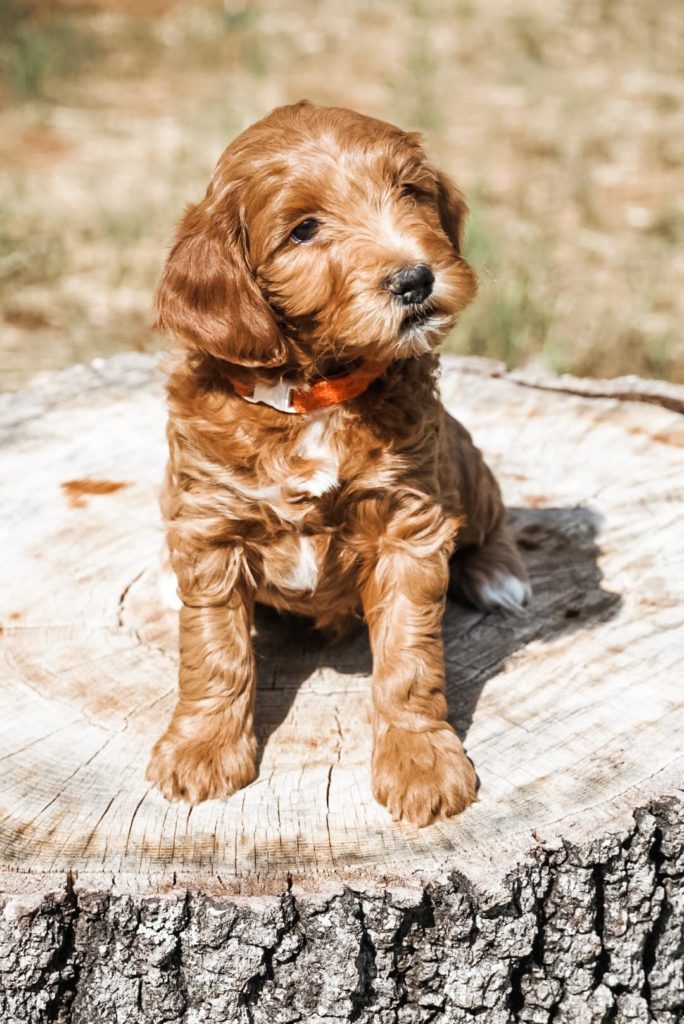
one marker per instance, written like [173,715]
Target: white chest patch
[303,573]
[314,445]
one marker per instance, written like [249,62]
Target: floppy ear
[207,293]
[453,211]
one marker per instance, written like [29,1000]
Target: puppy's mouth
[421,329]
[417,318]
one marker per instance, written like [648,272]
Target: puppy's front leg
[420,771]
[209,748]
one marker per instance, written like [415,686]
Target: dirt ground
[563,123]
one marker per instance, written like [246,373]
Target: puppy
[312,466]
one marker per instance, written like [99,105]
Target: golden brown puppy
[312,466]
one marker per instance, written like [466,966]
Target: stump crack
[253,989]
[363,996]
[657,929]
[121,603]
[419,917]
[602,963]
[534,960]
[64,962]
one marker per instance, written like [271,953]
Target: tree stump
[556,897]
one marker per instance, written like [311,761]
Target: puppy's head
[324,235]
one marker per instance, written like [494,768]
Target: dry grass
[564,123]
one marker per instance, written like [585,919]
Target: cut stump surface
[572,714]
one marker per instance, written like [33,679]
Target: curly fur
[352,512]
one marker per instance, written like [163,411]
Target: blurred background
[563,122]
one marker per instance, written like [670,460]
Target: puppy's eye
[411,191]
[305,231]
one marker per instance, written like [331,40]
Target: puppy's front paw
[200,769]
[422,776]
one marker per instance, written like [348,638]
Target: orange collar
[319,395]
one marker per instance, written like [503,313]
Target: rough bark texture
[591,933]
[557,897]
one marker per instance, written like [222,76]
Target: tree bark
[556,897]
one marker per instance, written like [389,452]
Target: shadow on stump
[559,546]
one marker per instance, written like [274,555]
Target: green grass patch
[37,47]
[509,319]
[28,253]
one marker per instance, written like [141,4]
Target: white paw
[504,591]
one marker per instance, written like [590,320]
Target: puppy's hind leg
[490,575]
[486,569]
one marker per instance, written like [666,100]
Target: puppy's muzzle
[412,284]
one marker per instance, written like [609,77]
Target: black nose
[412,284]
